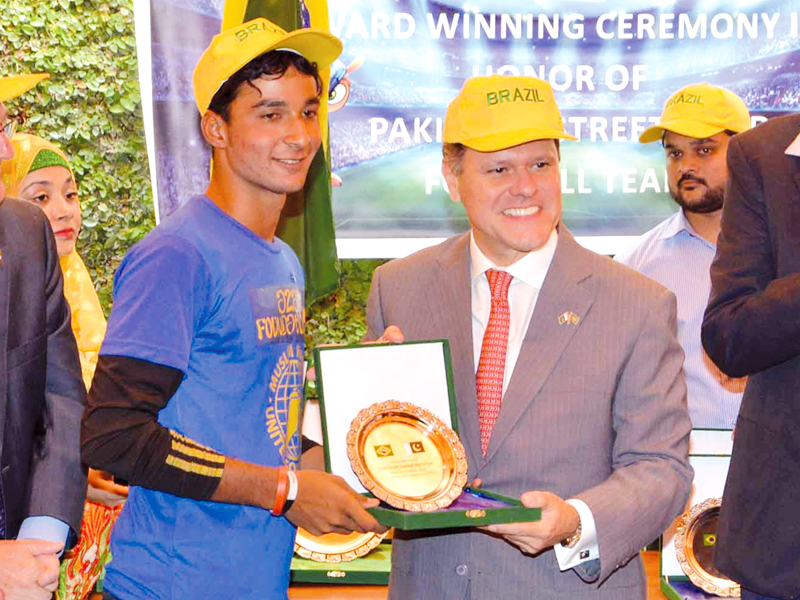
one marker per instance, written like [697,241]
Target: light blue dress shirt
[44,528]
[678,258]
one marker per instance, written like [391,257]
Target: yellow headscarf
[26,148]
[88,320]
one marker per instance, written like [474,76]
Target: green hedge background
[91,108]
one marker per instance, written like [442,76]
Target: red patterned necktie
[491,366]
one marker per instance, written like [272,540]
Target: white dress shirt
[529,273]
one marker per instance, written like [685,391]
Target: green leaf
[127,104]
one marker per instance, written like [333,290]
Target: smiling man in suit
[566,365]
[42,483]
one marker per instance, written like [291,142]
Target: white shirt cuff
[586,549]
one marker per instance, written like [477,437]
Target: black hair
[274,63]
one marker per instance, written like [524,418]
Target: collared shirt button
[462,569]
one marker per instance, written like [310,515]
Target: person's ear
[215,129]
[452,180]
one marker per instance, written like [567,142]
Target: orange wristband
[281,491]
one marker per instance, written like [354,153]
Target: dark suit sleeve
[57,483]
[751,321]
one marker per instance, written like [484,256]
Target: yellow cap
[13,86]
[233,48]
[700,110]
[500,111]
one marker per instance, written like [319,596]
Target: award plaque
[407,456]
[695,540]
[335,547]
[389,424]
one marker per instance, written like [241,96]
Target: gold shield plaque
[335,547]
[407,456]
[695,540]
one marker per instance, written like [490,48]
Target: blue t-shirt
[205,295]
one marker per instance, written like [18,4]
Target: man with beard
[695,127]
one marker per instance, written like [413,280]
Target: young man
[695,127]
[752,328]
[198,393]
[567,371]
[42,483]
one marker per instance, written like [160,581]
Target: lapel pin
[568,318]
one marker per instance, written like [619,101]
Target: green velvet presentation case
[351,378]
[372,569]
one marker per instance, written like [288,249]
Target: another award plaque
[695,540]
[335,547]
[407,456]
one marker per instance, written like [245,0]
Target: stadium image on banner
[612,66]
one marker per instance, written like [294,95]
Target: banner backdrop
[612,65]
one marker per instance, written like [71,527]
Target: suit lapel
[568,288]
[454,318]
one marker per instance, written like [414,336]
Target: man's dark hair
[274,63]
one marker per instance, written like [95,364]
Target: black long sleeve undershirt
[120,432]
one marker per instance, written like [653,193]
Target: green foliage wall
[91,108]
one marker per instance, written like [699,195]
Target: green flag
[306,222]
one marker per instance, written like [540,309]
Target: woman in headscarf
[40,173]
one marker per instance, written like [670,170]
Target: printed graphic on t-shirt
[278,313]
[279,329]
[286,402]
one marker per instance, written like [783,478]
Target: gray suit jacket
[595,411]
[41,390]
[752,327]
